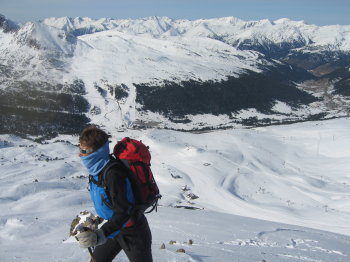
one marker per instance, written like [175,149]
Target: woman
[114,201]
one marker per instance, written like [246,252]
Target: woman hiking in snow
[126,228]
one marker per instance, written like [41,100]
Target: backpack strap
[102,175]
[125,164]
[115,162]
[111,164]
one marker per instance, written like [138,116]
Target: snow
[122,58]
[279,193]
[230,30]
[112,52]
[114,57]
[34,52]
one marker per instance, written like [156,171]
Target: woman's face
[84,150]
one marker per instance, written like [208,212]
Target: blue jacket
[112,195]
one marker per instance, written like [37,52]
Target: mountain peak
[282,21]
[65,23]
[231,19]
[7,25]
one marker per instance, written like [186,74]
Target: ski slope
[278,193]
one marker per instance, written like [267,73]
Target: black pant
[136,242]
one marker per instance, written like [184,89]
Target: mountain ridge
[123,66]
[279,30]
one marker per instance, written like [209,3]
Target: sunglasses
[86,151]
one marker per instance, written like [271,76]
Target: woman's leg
[137,242]
[107,252]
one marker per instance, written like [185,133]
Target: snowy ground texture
[275,193]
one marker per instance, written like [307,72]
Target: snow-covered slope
[111,58]
[125,58]
[281,181]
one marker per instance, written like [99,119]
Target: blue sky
[319,12]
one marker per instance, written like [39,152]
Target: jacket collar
[96,161]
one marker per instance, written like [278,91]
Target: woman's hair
[93,137]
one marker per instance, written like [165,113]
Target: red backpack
[137,158]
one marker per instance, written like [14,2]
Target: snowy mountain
[268,193]
[177,74]
[230,30]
